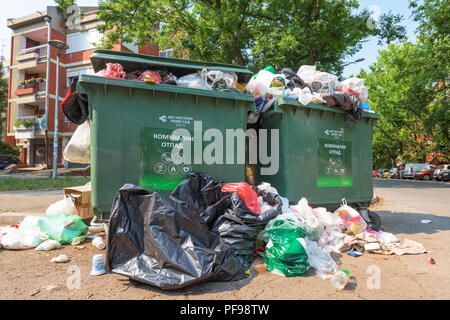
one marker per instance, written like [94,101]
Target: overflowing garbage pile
[204,231]
[202,79]
[307,86]
[62,225]
[207,230]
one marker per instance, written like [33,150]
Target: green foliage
[252,33]
[27,123]
[64,4]
[409,89]
[7,149]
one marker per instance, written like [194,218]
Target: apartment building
[32,78]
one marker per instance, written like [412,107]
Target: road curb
[9,218]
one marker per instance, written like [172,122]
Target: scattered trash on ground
[340,279]
[48,245]
[62,258]
[52,288]
[63,227]
[98,265]
[98,243]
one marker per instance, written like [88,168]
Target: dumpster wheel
[373,220]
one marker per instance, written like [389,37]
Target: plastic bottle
[340,279]
[98,242]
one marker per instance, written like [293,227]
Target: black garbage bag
[226,213]
[166,243]
[202,193]
[293,78]
[345,101]
[239,227]
[73,107]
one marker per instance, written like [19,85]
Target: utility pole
[58,45]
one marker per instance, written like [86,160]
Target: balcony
[32,58]
[28,127]
[30,91]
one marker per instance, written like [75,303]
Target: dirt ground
[28,201]
[29,274]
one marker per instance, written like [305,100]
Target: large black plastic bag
[202,193]
[239,227]
[165,243]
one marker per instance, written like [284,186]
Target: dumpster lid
[179,67]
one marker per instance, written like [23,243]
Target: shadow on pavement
[410,223]
[416,184]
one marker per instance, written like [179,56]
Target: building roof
[14,23]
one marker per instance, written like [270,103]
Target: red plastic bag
[150,74]
[113,70]
[246,192]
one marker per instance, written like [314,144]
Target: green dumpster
[132,125]
[324,156]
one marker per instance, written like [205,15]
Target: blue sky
[18,8]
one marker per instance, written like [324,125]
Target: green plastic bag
[62,227]
[285,252]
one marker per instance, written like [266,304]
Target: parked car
[6,161]
[385,174]
[444,175]
[381,171]
[439,170]
[411,169]
[399,174]
[395,173]
[374,173]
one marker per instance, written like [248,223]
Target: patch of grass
[11,183]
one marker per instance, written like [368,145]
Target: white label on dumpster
[178,121]
[335,133]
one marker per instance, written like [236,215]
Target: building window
[166,53]
[82,41]
[73,74]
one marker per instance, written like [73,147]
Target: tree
[409,89]
[254,33]
[434,41]
[64,4]
[4,147]
[402,91]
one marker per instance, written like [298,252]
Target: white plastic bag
[326,218]
[332,238]
[318,81]
[261,83]
[48,245]
[28,235]
[78,149]
[65,205]
[312,222]
[387,238]
[194,80]
[320,259]
[352,223]
[213,76]
[355,85]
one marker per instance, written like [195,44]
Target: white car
[439,170]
